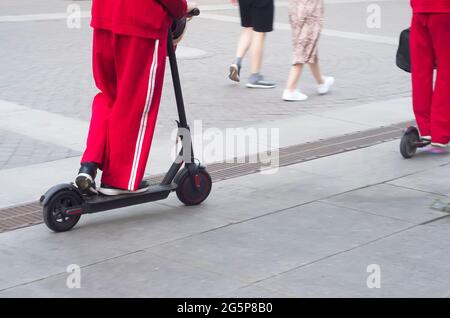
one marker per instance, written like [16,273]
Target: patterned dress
[306,18]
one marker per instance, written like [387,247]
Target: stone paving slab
[413,263]
[259,194]
[98,237]
[17,150]
[154,224]
[253,291]
[391,201]
[377,164]
[257,249]
[433,180]
[236,244]
[21,265]
[136,275]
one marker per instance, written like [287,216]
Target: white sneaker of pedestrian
[324,88]
[294,96]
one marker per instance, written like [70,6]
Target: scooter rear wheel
[407,144]
[53,211]
[188,193]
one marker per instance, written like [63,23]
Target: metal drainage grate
[20,216]
[24,215]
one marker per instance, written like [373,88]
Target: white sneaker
[324,88]
[439,145]
[294,96]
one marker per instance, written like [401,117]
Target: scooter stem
[176,82]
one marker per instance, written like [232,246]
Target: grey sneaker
[235,72]
[257,81]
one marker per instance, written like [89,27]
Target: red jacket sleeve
[176,8]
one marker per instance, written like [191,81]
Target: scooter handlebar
[178,26]
[194,13]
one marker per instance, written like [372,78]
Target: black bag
[403,52]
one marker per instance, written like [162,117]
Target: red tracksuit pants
[129,72]
[430,46]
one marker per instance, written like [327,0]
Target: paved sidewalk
[47,66]
[314,229]
[311,229]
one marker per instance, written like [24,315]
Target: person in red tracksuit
[430,48]
[129,53]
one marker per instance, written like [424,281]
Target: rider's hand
[191,6]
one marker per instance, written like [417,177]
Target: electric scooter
[411,141]
[64,204]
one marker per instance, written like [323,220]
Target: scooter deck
[100,203]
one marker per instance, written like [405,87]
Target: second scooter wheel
[188,193]
[408,143]
[53,211]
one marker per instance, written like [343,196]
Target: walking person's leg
[324,83]
[294,76]
[244,44]
[315,70]
[262,16]
[297,20]
[257,49]
[439,26]
[306,19]
[422,65]
[245,40]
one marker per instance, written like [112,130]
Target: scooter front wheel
[53,213]
[193,191]
[408,143]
